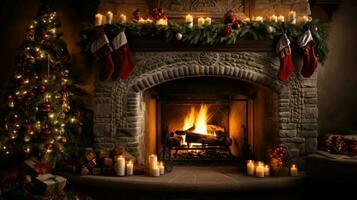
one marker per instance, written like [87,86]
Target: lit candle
[266,170]
[108,162]
[141,20]
[292,17]
[293,170]
[129,168]
[304,19]
[98,19]
[109,17]
[208,21]
[161,22]
[122,18]
[259,19]
[189,20]
[247,19]
[155,171]
[148,20]
[162,168]
[152,162]
[259,171]
[200,21]
[250,168]
[273,18]
[281,18]
[120,166]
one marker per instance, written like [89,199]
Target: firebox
[204,119]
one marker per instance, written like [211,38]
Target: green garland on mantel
[211,34]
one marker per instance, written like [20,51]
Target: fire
[198,121]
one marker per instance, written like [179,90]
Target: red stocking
[102,51]
[123,56]
[286,65]
[310,59]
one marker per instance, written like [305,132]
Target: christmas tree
[38,117]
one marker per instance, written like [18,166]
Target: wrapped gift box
[48,184]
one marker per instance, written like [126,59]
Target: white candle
[250,168]
[259,171]
[129,168]
[141,20]
[162,168]
[189,20]
[104,19]
[120,166]
[161,22]
[259,19]
[122,18]
[152,161]
[109,17]
[155,171]
[273,18]
[208,21]
[304,19]
[148,20]
[266,170]
[292,17]
[200,21]
[247,19]
[281,18]
[98,19]
[293,170]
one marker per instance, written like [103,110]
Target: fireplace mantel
[149,45]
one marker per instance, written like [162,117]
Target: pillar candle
[247,19]
[148,21]
[208,21]
[273,18]
[293,170]
[259,19]
[281,18]
[200,21]
[152,161]
[162,168]
[250,168]
[266,170]
[129,168]
[98,19]
[161,22]
[120,166]
[155,171]
[122,18]
[141,20]
[259,171]
[109,17]
[189,20]
[292,17]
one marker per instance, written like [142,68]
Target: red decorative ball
[42,88]
[46,131]
[31,94]
[230,17]
[236,25]
[46,107]
[227,30]
[10,97]
[63,140]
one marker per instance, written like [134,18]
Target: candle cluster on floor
[122,168]
[261,170]
[155,168]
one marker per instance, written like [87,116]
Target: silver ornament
[178,36]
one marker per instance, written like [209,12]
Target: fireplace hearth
[167,84]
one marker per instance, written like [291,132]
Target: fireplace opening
[208,119]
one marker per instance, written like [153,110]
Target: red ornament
[63,140]
[46,107]
[27,127]
[236,25]
[46,131]
[230,17]
[157,14]
[31,94]
[10,97]
[227,30]
[42,88]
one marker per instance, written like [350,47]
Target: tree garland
[212,34]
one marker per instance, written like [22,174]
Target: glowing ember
[198,121]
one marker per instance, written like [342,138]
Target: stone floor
[187,182]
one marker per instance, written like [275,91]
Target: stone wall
[119,117]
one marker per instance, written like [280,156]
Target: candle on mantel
[161,22]
[274,18]
[208,21]
[162,168]
[247,19]
[293,170]
[98,19]
[281,18]
[129,168]
[303,19]
[149,21]
[155,171]
[250,168]
[122,18]
[189,20]
[259,19]
[200,21]
[292,17]
[152,162]
[109,17]
[259,171]
[141,20]
[120,166]
[266,170]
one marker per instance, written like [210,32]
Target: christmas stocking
[284,52]
[102,51]
[310,60]
[123,57]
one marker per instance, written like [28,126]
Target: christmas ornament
[236,25]
[230,17]
[41,88]
[27,127]
[284,51]
[310,60]
[46,107]
[46,131]
[178,36]
[270,29]
[157,14]
[227,30]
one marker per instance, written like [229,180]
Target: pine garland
[212,34]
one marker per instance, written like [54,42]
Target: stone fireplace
[284,112]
